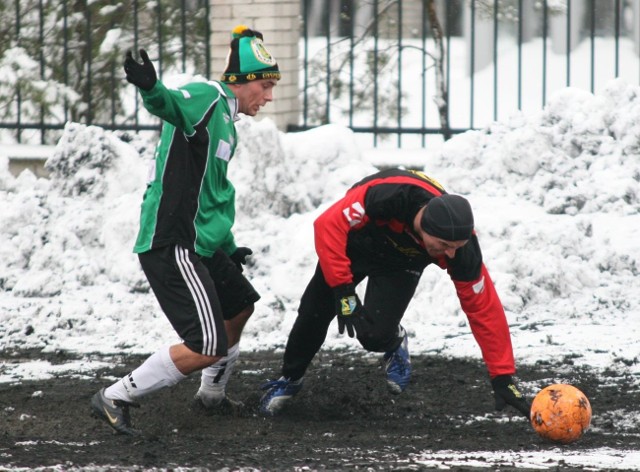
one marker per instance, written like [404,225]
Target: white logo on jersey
[478,287]
[354,214]
[185,93]
[224,150]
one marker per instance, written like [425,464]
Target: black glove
[506,393]
[141,75]
[239,256]
[350,311]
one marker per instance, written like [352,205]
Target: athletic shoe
[114,412]
[278,392]
[398,367]
[225,407]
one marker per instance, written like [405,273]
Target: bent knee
[243,314]
[198,357]
[378,343]
[205,361]
[248,311]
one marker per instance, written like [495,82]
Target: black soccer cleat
[114,412]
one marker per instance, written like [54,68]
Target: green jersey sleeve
[183,107]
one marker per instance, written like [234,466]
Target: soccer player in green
[185,244]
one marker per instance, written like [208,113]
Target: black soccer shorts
[197,294]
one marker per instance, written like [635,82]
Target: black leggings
[386,299]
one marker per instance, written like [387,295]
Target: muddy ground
[344,419]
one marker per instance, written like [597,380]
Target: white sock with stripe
[213,382]
[157,372]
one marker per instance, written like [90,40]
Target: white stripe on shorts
[205,313]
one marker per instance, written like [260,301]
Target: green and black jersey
[189,200]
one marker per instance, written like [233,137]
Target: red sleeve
[331,230]
[480,301]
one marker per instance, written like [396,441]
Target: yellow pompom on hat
[248,58]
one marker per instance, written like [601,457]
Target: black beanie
[248,58]
[448,217]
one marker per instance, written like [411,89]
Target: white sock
[157,372]
[213,382]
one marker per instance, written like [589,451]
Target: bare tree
[376,66]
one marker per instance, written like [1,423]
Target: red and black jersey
[371,229]
[375,220]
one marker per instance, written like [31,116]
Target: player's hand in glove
[350,311]
[506,393]
[141,75]
[239,256]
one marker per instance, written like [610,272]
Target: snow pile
[580,155]
[556,197]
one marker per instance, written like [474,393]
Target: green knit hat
[248,58]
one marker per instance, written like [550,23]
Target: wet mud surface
[344,419]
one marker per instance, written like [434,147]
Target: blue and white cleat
[398,367]
[278,392]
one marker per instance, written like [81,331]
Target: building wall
[279,22]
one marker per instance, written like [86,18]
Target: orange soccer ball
[561,413]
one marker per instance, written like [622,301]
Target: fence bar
[135,48]
[375,130]
[545,33]
[305,34]
[89,68]
[399,101]
[473,62]
[328,69]
[568,43]
[448,54]
[65,56]
[60,126]
[351,63]
[41,54]
[520,39]
[495,59]
[375,67]
[113,92]
[592,38]
[183,37]
[207,33]
[18,88]
[159,33]
[617,38]
[423,88]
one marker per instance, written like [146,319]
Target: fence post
[279,22]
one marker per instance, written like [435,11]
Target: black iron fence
[62,60]
[406,69]
[400,71]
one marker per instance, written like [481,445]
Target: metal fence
[406,69]
[400,71]
[63,60]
